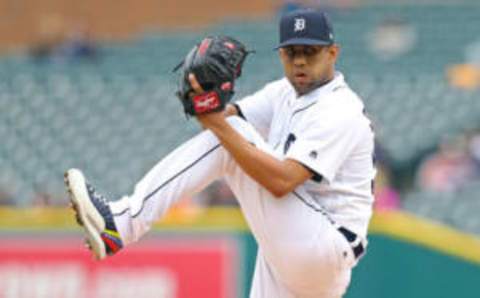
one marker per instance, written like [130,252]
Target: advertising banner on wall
[172,267]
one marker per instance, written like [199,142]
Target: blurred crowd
[454,163]
[446,169]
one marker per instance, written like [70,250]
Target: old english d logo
[290,139]
[299,25]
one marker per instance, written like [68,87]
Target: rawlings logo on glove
[216,63]
[206,102]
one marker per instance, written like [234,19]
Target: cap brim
[303,42]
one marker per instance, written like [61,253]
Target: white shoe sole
[87,215]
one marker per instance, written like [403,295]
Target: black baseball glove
[216,62]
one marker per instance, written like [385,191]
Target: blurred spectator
[449,168]
[464,76]
[6,198]
[221,195]
[386,197]
[474,149]
[78,44]
[217,194]
[392,38]
[50,36]
[43,199]
[57,45]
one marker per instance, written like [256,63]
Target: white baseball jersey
[327,131]
[301,253]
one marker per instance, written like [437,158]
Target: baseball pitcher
[297,154]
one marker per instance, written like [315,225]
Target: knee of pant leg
[306,269]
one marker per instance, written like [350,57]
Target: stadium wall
[36,20]
[408,256]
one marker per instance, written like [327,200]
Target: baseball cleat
[93,214]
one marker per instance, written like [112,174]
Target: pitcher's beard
[305,89]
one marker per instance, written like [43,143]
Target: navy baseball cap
[305,27]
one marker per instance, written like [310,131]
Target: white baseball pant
[301,254]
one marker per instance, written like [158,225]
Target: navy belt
[354,241]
